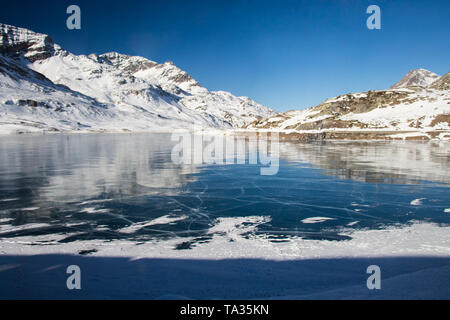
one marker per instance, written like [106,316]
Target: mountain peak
[418,77]
[16,42]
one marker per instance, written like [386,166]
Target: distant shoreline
[284,135]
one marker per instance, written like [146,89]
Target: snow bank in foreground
[234,264]
[233,238]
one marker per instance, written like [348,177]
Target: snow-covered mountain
[418,77]
[415,112]
[111,91]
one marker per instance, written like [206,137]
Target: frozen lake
[76,189]
[121,195]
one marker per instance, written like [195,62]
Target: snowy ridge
[410,111]
[138,94]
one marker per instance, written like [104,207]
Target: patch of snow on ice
[11,228]
[417,202]
[94,201]
[9,200]
[158,221]
[316,219]
[94,210]
[30,209]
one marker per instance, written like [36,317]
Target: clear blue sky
[284,54]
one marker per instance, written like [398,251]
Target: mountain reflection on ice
[125,186]
[376,161]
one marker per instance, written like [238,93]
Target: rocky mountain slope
[112,91]
[443,83]
[418,77]
[411,112]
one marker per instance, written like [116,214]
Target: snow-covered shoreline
[387,135]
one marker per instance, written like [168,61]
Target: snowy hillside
[112,91]
[443,83]
[415,112]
